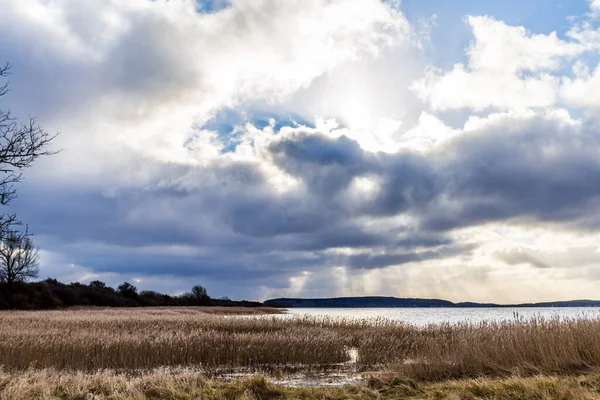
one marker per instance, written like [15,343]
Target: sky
[313,148]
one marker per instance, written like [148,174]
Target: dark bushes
[51,294]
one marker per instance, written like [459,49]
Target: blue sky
[314,148]
[450,35]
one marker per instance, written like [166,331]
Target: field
[187,350]
[182,385]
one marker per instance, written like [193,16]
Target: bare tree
[199,291]
[18,257]
[127,290]
[20,145]
[200,295]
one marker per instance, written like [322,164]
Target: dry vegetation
[188,385]
[142,339]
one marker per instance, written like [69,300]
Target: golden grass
[148,338]
[142,339]
[186,385]
[525,347]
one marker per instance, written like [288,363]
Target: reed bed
[144,339]
[187,385]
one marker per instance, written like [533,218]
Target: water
[425,316]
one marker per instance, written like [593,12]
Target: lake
[424,316]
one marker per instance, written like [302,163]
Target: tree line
[52,294]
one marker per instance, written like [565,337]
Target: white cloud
[507,69]
[557,117]
[595,6]
[503,48]
[481,89]
[582,87]
[429,133]
[582,90]
[140,74]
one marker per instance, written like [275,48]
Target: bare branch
[18,257]
[20,145]
[5,70]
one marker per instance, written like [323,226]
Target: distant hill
[394,302]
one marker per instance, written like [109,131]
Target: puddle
[341,374]
[303,380]
[322,380]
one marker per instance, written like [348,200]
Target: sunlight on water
[424,316]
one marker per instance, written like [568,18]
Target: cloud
[521,257]
[538,167]
[141,75]
[267,148]
[544,168]
[544,172]
[507,69]
[502,48]
[582,90]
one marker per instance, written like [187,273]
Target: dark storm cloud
[234,226]
[409,183]
[375,261]
[328,166]
[535,170]
[230,221]
[325,165]
[353,235]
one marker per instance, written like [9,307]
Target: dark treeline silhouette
[51,294]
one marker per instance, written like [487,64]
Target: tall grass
[534,346]
[141,339]
[132,339]
[187,385]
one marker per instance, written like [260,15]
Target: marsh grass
[104,385]
[143,339]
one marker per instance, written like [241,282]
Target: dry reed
[141,339]
[188,385]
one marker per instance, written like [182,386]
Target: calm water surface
[424,316]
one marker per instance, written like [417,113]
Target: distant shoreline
[426,307]
[394,302]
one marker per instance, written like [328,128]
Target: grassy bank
[47,384]
[142,339]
